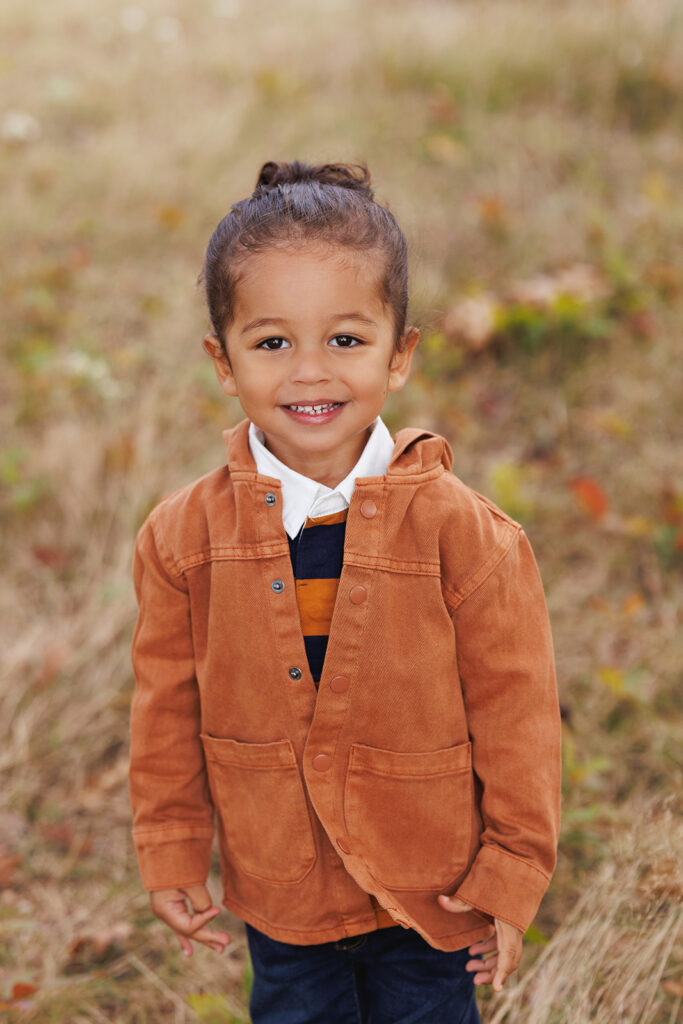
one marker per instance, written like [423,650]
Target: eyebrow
[266,321]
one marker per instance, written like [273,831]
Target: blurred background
[533,153]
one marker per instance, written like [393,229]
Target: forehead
[317,275]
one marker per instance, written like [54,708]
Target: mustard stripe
[315,599]
[334,517]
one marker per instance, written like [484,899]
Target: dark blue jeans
[390,976]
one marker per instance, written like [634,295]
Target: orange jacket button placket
[321,762]
[368,509]
[357,595]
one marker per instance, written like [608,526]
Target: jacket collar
[417,453]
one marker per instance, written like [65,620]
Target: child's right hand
[170,906]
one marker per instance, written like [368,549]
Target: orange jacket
[428,761]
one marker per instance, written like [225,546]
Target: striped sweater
[317,554]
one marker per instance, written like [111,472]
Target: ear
[221,364]
[399,368]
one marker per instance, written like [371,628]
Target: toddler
[343,659]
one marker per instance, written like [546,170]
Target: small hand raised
[170,906]
[500,952]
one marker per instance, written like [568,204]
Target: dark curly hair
[297,202]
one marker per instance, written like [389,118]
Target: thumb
[200,898]
[454,904]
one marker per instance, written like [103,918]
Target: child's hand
[170,906]
[504,947]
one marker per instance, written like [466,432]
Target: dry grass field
[533,152]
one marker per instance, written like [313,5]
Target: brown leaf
[8,866]
[663,879]
[590,496]
[21,990]
[472,321]
[52,556]
[171,216]
[63,836]
[673,987]
[643,324]
[98,947]
[492,211]
[51,666]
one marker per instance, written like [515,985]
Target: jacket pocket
[410,814]
[260,802]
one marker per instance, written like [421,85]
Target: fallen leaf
[613,678]
[51,556]
[663,879]
[633,603]
[442,106]
[492,211]
[8,866]
[21,990]
[472,321]
[673,987]
[64,838]
[51,667]
[643,324]
[590,496]
[98,947]
[171,216]
[443,149]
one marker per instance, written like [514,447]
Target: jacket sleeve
[505,660]
[172,810]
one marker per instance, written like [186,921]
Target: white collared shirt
[303,497]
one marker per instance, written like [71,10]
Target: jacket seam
[226,554]
[392,564]
[159,544]
[454,598]
[489,913]
[229,899]
[205,830]
[517,860]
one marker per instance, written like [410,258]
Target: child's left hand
[504,947]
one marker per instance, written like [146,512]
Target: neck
[327,468]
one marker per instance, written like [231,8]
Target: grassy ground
[531,151]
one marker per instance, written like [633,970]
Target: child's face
[311,354]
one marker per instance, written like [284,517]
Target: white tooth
[314,410]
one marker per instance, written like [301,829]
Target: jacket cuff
[504,886]
[174,857]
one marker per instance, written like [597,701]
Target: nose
[310,367]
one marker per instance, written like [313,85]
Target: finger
[209,937]
[483,978]
[484,946]
[185,944]
[508,961]
[192,923]
[489,966]
[454,904]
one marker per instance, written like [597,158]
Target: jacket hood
[416,452]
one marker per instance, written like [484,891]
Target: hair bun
[351,176]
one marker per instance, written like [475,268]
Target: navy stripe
[317,553]
[316,646]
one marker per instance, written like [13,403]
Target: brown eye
[346,341]
[273,344]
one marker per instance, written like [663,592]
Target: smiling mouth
[319,409]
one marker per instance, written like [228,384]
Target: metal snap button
[295,672]
[270,498]
[278,586]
